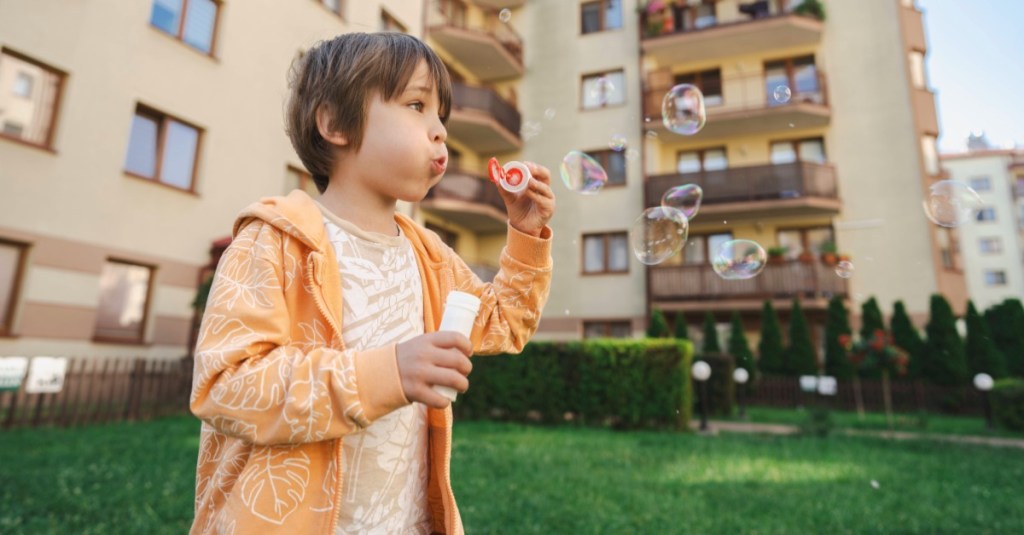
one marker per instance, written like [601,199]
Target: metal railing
[746,92]
[789,278]
[751,183]
[488,101]
[469,187]
[676,19]
[443,13]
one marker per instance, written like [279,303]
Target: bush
[982,354]
[802,359]
[943,359]
[721,388]
[837,324]
[681,330]
[1007,398]
[710,335]
[658,327]
[1006,323]
[769,348]
[907,337]
[811,8]
[626,383]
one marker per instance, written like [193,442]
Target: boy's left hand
[531,209]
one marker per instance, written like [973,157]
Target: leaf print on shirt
[274,482]
[256,387]
[242,276]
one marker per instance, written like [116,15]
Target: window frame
[993,273]
[995,245]
[163,119]
[180,35]
[984,179]
[698,81]
[986,209]
[146,309]
[804,239]
[340,12]
[600,74]
[7,325]
[607,325]
[701,156]
[796,143]
[602,12]
[57,100]
[790,66]
[606,239]
[603,157]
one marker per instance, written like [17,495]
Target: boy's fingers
[539,172]
[453,340]
[429,397]
[454,360]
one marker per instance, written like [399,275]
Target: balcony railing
[790,278]
[468,199]
[674,19]
[751,183]
[486,138]
[471,38]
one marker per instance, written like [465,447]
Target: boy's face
[403,153]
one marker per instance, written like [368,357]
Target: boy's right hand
[439,358]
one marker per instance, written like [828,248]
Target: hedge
[1007,398]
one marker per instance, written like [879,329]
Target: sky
[976,68]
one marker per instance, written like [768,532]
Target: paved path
[716,426]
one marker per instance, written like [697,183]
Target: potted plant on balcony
[829,255]
[811,8]
[806,257]
[777,254]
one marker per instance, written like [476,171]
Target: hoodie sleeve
[510,307]
[263,371]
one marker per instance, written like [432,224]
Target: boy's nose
[440,133]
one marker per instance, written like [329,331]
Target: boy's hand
[440,358]
[532,208]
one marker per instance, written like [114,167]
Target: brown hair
[343,74]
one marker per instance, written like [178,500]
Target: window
[995,277]
[124,299]
[298,178]
[601,15]
[449,238]
[917,72]
[695,161]
[931,155]
[605,253]
[699,249]
[604,89]
[162,149]
[614,163]
[990,245]
[454,12]
[987,213]
[799,150]
[29,99]
[805,240]
[12,264]
[981,183]
[800,75]
[607,329]
[335,6]
[193,22]
[709,82]
[389,23]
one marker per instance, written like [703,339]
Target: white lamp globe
[808,383]
[740,375]
[983,382]
[700,370]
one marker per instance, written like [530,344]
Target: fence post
[135,379]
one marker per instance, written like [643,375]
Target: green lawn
[138,478]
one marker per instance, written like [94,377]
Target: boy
[318,352]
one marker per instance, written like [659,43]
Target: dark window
[125,290]
[607,329]
[695,161]
[162,149]
[800,75]
[193,22]
[601,15]
[614,164]
[605,253]
[709,82]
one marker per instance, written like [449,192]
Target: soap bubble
[845,269]
[582,174]
[782,94]
[632,154]
[682,110]
[617,142]
[685,198]
[505,15]
[550,113]
[739,259]
[599,91]
[653,134]
[658,234]
[530,129]
[951,203]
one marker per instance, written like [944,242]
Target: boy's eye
[418,106]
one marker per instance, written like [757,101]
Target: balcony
[924,110]
[757,191]
[500,4]
[468,200]
[699,282]
[492,50]
[747,105]
[483,121]
[696,35]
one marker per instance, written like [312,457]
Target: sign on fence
[46,376]
[12,372]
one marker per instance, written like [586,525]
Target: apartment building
[132,134]
[844,158]
[992,246]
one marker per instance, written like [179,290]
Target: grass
[912,422]
[138,478]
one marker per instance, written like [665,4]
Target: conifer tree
[803,360]
[769,348]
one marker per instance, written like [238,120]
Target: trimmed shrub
[802,359]
[907,337]
[1007,398]
[680,329]
[769,349]
[711,344]
[658,327]
[739,348]
[943,361]
[982,354]
[1006,323]
[837,324]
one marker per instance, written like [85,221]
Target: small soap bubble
[567,312]
[791,125]
[845,269]
[530,129]
[550,113]
[782,94]
[505,15]
[652,134]
[685,198]
[739,260]
[617,142]
[874,484]
[658,234]
[951,203]
[599,91]
[632,154]
[682,110]
[582,174]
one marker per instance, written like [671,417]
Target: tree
[803,360]
[769,348]
[982,354]
[906,336]
[870,319]
[681,331]
[711,344]
[738,346]
[837,324]
[658,327]
[944,361]
[1006,323]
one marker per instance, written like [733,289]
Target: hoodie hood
[295,214]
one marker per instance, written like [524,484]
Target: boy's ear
[327,131]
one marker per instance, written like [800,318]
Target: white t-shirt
[385,465]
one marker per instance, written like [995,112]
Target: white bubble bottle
[513,177]
[460,310]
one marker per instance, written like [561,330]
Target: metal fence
[98,390]
[907,396]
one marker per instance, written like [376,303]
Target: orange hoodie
[276,388]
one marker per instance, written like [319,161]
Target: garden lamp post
[983,382]
[701,371]
[741,375]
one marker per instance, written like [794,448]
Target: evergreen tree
[982,354]
[738,346]
[907,337]
[837,324]
[658,328]
[870,319]
[803,360]
[681,331]
[769,348]
[944,361]
[1006,323]
[711,334]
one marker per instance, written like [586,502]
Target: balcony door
[800,75]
